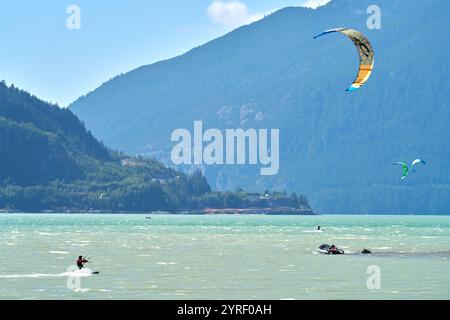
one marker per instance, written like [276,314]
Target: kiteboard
[84,272]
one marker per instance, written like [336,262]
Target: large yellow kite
[365,51]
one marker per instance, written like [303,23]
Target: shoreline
[227,211]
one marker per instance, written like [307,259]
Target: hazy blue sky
[41,55]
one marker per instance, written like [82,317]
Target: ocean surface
[223,257]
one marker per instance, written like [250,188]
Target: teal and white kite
[416,162]
[404,169]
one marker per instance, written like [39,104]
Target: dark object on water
[366,251]
[327,249]
[81,262]
[318,228]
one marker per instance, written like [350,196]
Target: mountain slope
[49,162]
[40,141]
[335,146]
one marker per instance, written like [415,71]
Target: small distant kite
[404,169]
[417,161]
[365,51]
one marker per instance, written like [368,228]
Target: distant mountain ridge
[336,147]
[50,163]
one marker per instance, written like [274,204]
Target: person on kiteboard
[80,262]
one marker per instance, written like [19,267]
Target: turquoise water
[223,257]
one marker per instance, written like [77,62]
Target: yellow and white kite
[365,51]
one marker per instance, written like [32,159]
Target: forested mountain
[49,162]
[337,147]
[39,141]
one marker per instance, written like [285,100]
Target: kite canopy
[404,168]
[365,51]
[416,162]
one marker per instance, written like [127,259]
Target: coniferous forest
[49,162]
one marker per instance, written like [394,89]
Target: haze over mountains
[336,147]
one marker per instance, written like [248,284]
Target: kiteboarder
[80,262]
[327,249]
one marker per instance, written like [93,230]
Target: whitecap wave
[48,234]
[75,274]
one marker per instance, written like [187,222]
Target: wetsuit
[80,263]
